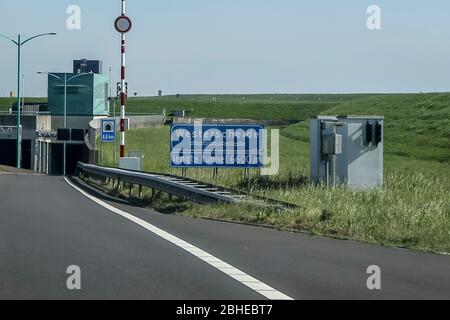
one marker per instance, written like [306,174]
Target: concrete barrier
[144,121]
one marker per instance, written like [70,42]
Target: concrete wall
[43,123]
[139,122]
[30,123]
[75,122]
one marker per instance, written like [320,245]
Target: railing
[192,190]
[177,186]
[25,113]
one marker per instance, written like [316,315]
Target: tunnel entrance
[75,153]
[8,152]
[8,149]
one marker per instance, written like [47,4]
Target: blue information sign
[217,146]
[108,130]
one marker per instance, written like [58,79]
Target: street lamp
[65,80]
[19,43]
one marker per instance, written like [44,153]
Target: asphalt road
[46,225]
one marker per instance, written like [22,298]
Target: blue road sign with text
[108,130]
[217,146]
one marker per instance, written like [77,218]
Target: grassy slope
[258,107]
[414,207]
[418,125]
[412,210]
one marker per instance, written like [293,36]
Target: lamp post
[65,80]
[19,43]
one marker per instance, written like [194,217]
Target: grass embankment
[257,107]
[412,210]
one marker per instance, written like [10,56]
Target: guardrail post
[216,174]
[140,191]
[247,177]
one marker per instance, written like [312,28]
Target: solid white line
[214,262]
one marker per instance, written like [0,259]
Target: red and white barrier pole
[123,25]
[122,93]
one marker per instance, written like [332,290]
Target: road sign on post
[217,146]
[108,130]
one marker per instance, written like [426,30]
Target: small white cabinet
[347,151]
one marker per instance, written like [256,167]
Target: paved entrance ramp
[13,170]
[124,252]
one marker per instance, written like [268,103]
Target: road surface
[46,225]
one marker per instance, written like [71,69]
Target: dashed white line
[236,274]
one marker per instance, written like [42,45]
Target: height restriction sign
[123,24]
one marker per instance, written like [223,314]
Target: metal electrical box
[131,163]
[347,151]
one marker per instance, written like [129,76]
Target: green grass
[257,107]
[413,208]
[418,126]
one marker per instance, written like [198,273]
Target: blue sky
[239,46]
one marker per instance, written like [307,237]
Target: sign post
[123,25]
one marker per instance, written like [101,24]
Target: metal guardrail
[177,186]
[193,190]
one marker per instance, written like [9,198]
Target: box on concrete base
[347,151]
[131,163]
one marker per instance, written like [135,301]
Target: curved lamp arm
[37,36]
[78,75]
[59,78]
[10,39]
[51,74]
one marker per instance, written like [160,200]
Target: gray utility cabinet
[347,151]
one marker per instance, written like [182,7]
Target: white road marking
[216,263]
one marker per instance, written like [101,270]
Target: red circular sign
[123,24]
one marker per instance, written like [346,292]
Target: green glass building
[87,95]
